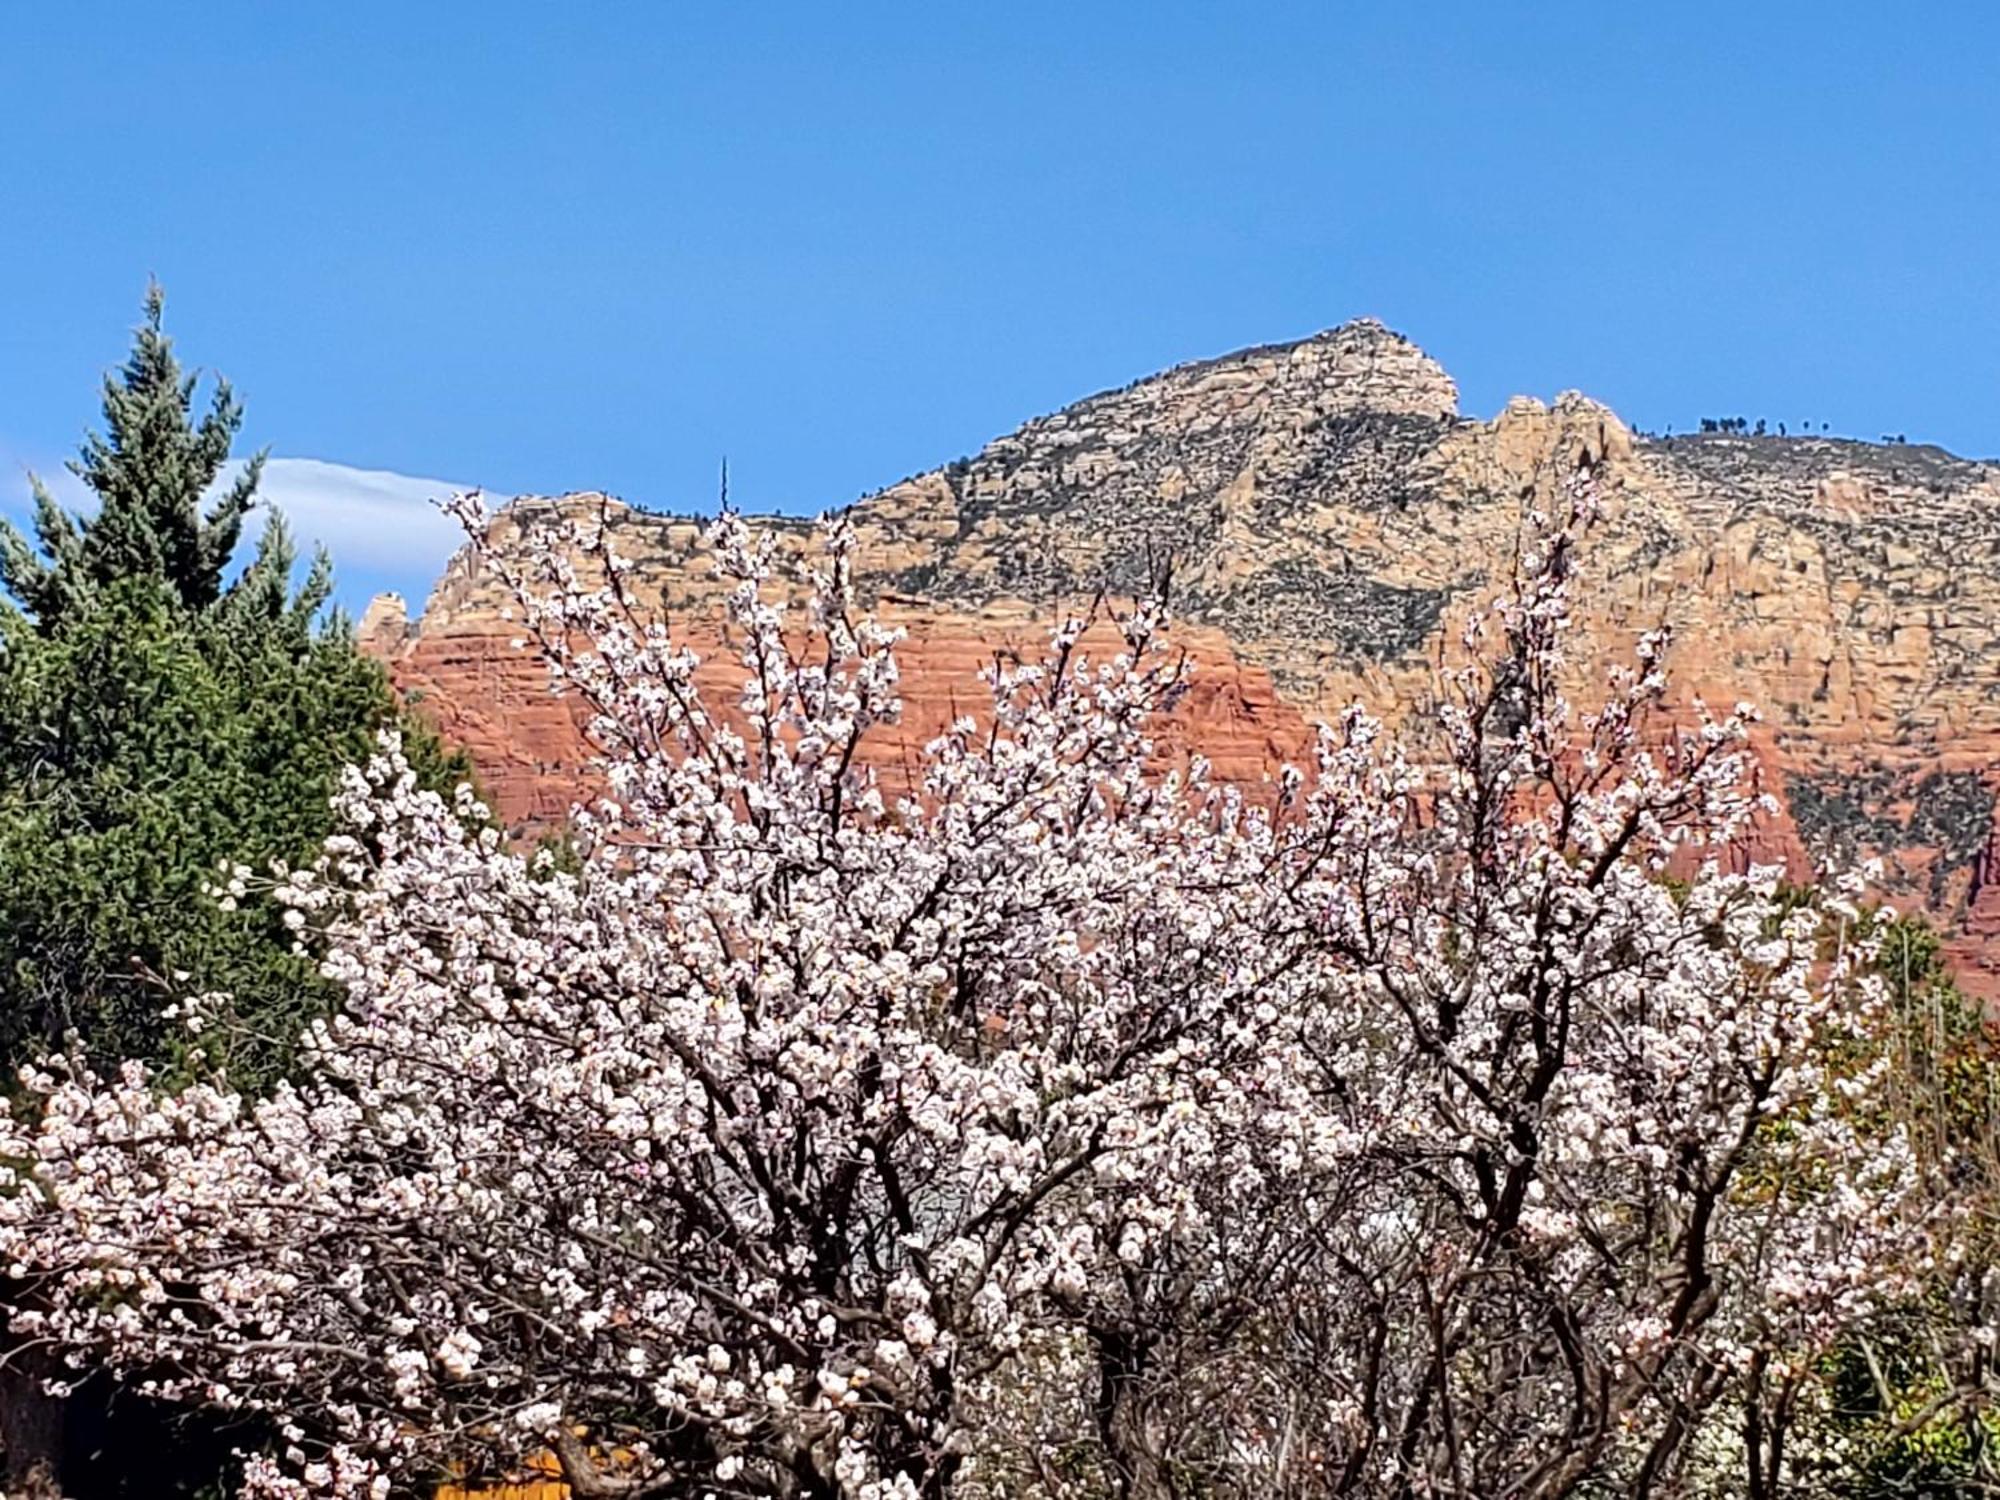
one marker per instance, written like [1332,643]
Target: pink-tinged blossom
[1400,1129]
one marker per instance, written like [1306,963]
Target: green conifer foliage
[159,719]
[150,470]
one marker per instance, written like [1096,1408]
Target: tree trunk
[1124,1425]
[31,1428]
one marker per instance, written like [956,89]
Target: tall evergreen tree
[159,717]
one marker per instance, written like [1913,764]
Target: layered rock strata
[1329,515]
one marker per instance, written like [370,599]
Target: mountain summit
[1328,512]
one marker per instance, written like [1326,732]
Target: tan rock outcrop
[384,627]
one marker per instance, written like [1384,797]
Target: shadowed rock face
[1330,516]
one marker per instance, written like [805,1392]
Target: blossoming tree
[1062,1122]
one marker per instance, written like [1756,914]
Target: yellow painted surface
[531,1489]
[538,1489]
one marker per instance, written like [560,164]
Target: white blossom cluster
[1403,1130]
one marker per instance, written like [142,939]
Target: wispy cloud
[383,529]
[17,463]
[371,519]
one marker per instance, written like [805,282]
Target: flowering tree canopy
[1062,1123]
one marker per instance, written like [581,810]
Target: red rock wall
[534,757]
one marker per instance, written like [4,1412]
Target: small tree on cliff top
[1410,1136]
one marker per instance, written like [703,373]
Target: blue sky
[546,247]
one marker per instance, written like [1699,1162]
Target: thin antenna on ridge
[725,482]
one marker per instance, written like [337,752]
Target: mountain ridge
[1331,514]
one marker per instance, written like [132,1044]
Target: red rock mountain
[1330,512]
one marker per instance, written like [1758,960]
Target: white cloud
[369,519]
[384,529]
[17,464]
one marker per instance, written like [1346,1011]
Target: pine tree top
[149,469]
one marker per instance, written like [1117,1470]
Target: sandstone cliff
[1328,511]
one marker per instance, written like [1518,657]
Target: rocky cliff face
[1329,514]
